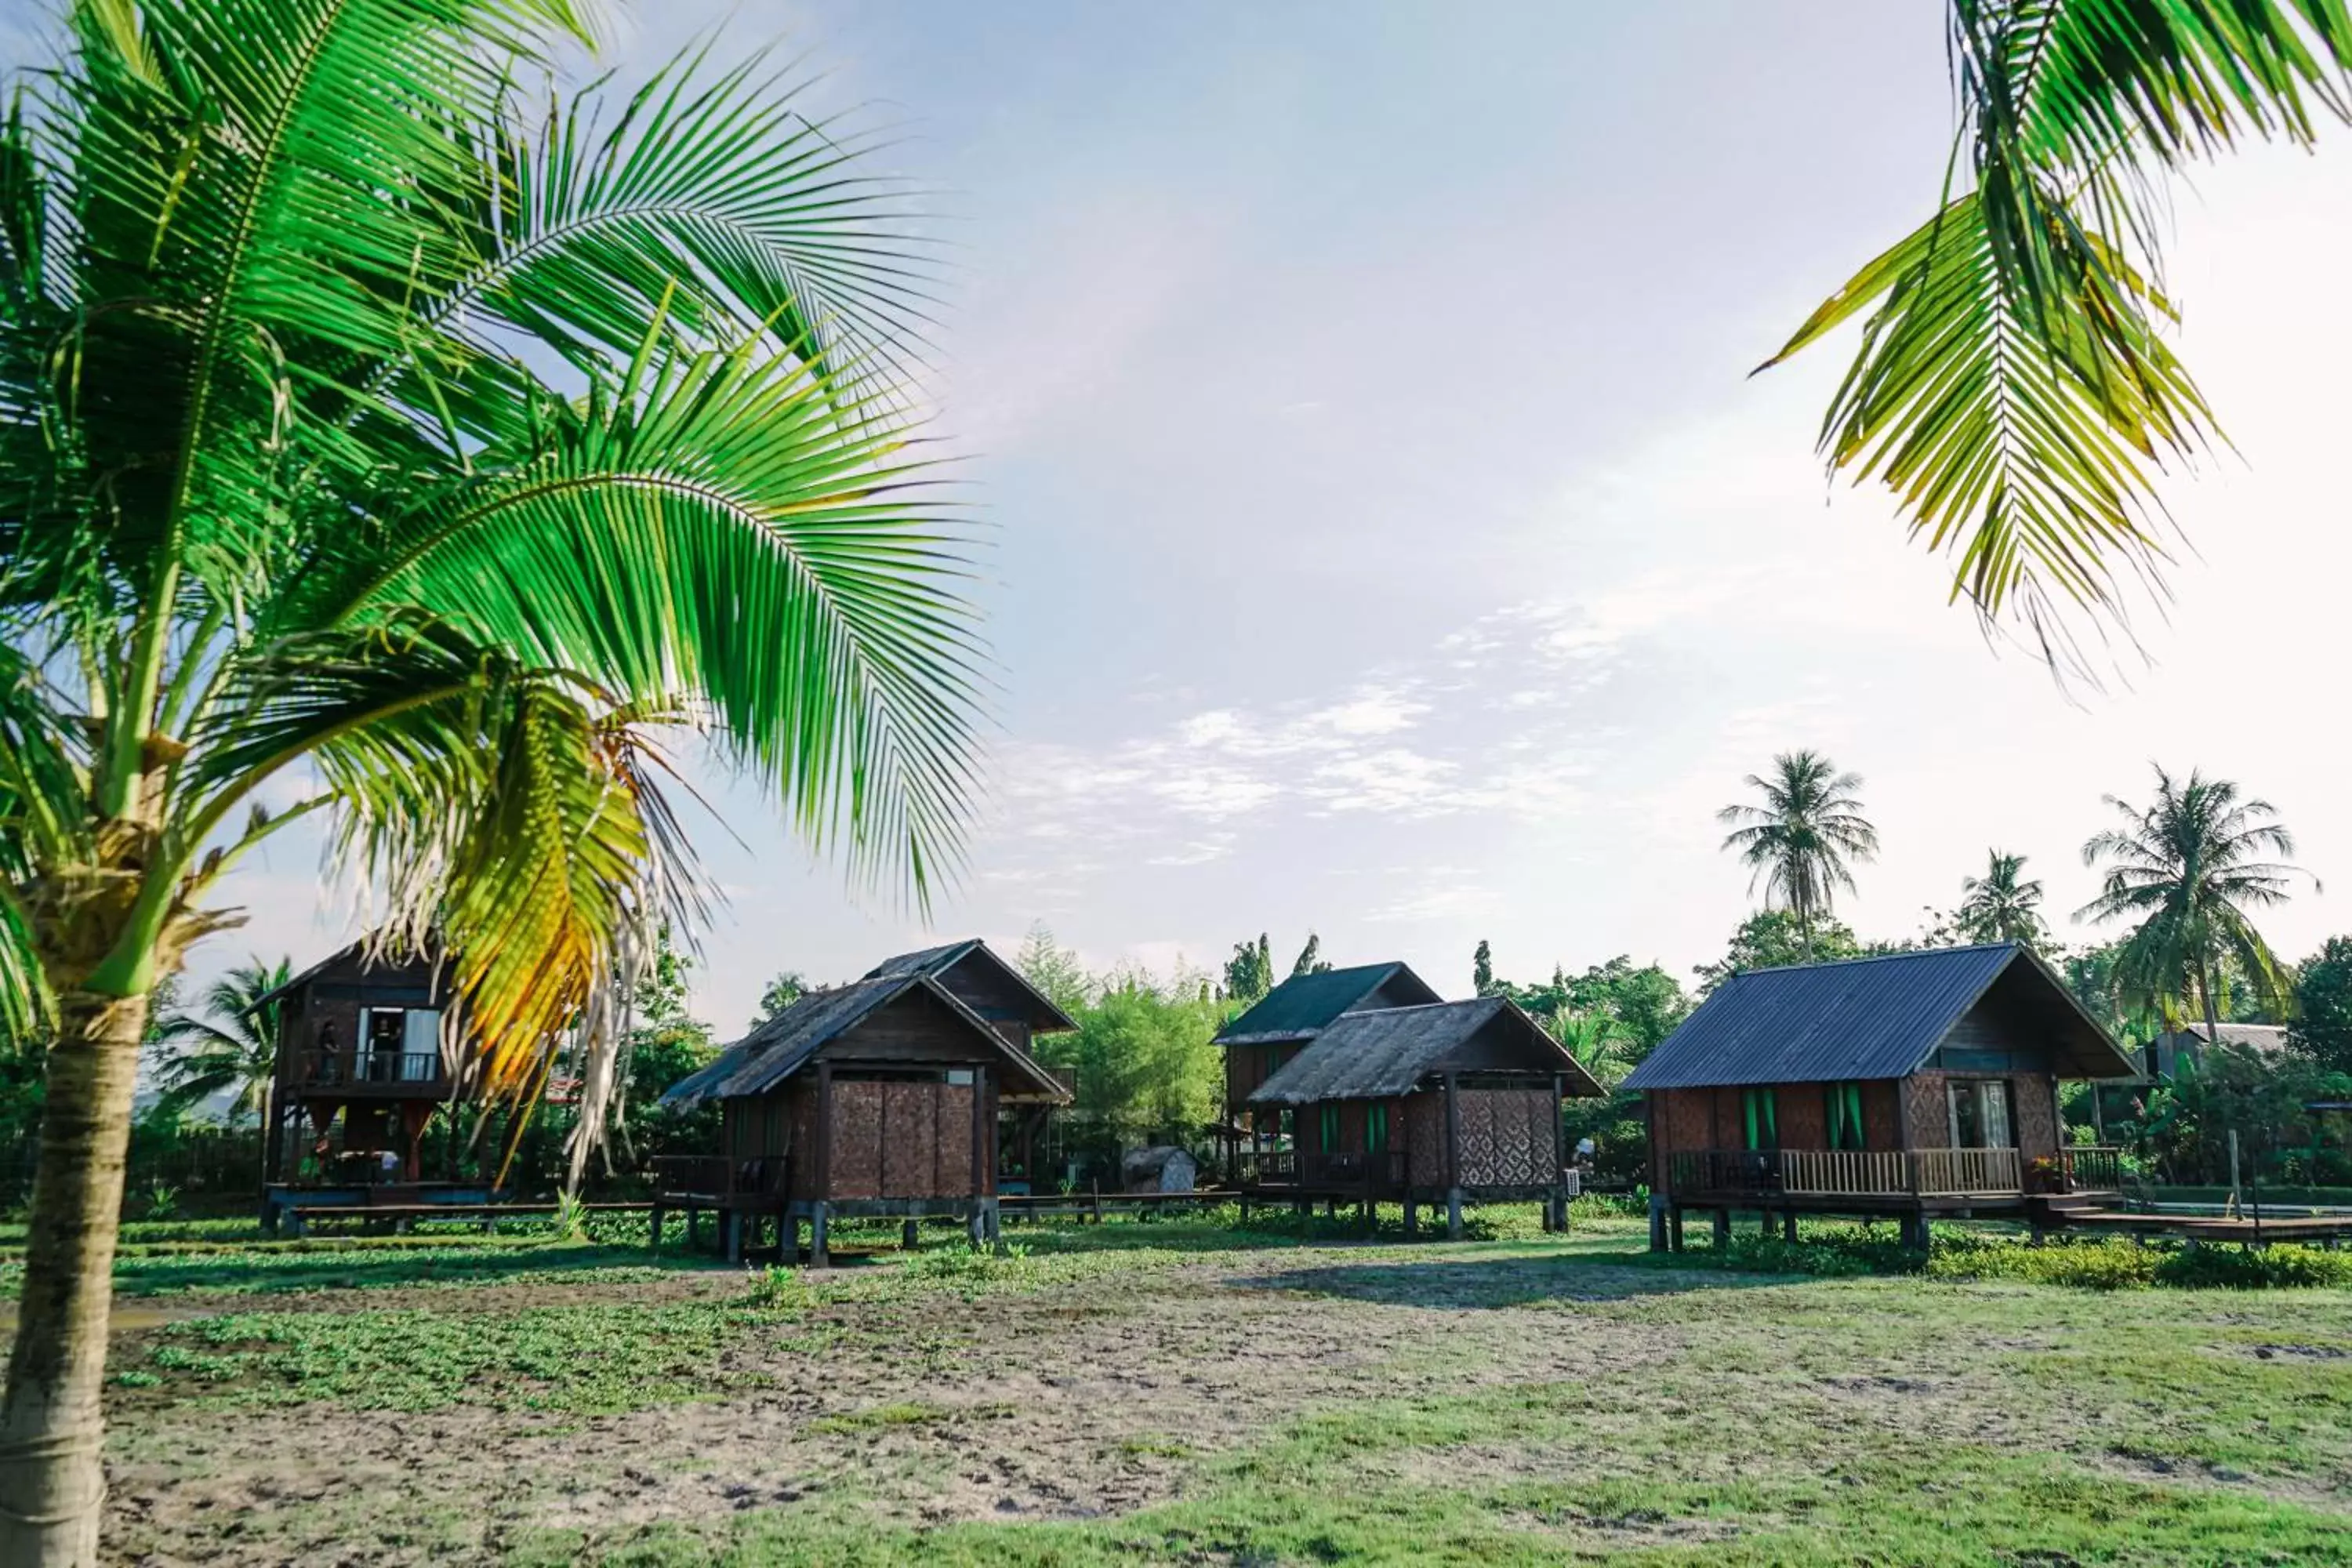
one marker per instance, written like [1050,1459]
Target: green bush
[2253,1269]
[2107,1264]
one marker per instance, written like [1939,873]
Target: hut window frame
[1328,1121]
[1847,1127]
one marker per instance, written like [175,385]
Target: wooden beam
[979,1133]
[824,1134]
[1452,1157]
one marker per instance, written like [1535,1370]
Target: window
[398,1044]
[1980,1113]
[1846,1116]
[1759,1119]
[1330,1129]
[1376,1128]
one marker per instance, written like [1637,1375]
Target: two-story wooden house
[1911,1085]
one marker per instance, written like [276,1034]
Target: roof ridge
[1878,957]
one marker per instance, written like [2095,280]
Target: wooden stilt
[1411,1218]
[819,1256]
[907,1238]
[1454,1214]
[1722,1228]
[732,1227]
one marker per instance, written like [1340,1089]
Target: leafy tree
[2000,906]
[1249,973]
[2186,867]
[1802,840]
[1310,960]
[374,411]
[2013,386]
[2322,1005]
[233,1052]
[1482,969]
[1772,939]
[788,986]
[1054,970]
[1145,1065]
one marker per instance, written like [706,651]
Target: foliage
[2013,386]
[2186,867]
[1802,841]
[2184,1127]
[1772,939]
[784,988]
[2107,1263]
[1482,969]
[234,1052]
[1611,1016]
[2281,1266]
[2002,905]
[1249,973]
[1310,960]
[1146,1068]
[2322,1005]
[1054,970]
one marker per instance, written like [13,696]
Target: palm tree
[234,1051]
[1998,905]
[2187,868]
[2013,386]
[380,420]
[1802,840]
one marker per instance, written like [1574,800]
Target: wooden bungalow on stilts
[1907,1086]
[1276,1028]
[1440,1102]
[362,1063]
[879,1098]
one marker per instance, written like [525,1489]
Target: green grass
[1523,1400]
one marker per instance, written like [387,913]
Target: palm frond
[724,530]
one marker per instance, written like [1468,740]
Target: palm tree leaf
[732,534]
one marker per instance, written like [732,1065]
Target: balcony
[409,1075]
[1886,1172]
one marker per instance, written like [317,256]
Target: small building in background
[1259,1043]
[877,1097]
[1910,1084]
[2161,1060]
[363,1061]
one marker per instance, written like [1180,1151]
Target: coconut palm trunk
[51,1480]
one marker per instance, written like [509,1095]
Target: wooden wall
[1711,1118]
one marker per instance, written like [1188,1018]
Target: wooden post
[819,1256]
[1722,1228]
[1674,1228]
[733,1226]
[907,1241]
[1412,1217]
[1657,1222]
[1556,1213]
[652,1242]
[979,1134]
[1452,1157]
[788,1240]
[1788,1225]
[823,1141]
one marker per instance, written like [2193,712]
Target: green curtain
[1376,1128]
[1330,1129]
[1763,1127]
[1846,1115]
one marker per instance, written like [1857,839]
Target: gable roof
[1868,1018]
[1384,1052]
[356,951]
[1304,1003]
[1044,1017]
[785,1043]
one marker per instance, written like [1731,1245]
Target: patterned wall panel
[1931,1119]
[2037,1128]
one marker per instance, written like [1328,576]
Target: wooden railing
[2093,1168]
[1876,1172]
[1347,1170]
[340,1069]
[717,1176]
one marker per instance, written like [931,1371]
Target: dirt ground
[1091,1398]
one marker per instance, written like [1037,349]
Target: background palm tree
[379,417]
[232,1051]
[2186,867]
[1803,839]
[2013,387]
[2002,905]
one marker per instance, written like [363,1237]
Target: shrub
[2107,1264]
[2253,1269]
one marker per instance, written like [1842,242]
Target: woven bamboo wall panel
[1508,1138]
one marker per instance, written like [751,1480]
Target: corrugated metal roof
[783,1045]
[1863,1019]
[1383,1052]
[1306,1003]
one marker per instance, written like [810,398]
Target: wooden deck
[1890,1177]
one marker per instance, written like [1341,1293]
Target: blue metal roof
[1863,1019]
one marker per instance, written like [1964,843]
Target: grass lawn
[1191,1393]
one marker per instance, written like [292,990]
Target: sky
[1382,536]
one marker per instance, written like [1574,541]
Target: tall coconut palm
[230,1048]
[2013,387]
[2002,905]
[1802,841]
[2187,868]
[381,423]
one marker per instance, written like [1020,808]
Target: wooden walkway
[2326,1228]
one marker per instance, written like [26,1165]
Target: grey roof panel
[1862,1018]
[1046,1018]
[1384,1052]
